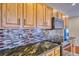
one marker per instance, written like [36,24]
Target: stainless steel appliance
[57,23]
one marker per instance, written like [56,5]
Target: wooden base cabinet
[57,51]
[50,53]
[53,52]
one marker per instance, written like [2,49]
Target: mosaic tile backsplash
[10,38]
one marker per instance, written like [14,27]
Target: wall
[74,28]
[10,38]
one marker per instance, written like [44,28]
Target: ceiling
[67,8]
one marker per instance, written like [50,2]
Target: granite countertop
[33,49]
[70,41]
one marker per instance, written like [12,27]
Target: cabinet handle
[24,21]
[19,21]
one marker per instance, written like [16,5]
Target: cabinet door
[51,53]
[66,22]
[29,15]
[59,15]
[57,51]
[64,19]
[62,16]
[48,18]
[11,15]
[40,16]
[0,15]
[54,13]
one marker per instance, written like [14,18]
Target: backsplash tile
[10,38]
[1,39]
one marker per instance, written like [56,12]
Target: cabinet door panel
[11,15]
[0,15]
[29,15]
[65,20]
[51,53]
[57,51]
[54,13]
[40,16]
[48,17]
[59,15]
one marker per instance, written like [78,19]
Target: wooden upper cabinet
[0,14]
[65,19]
[59,15]
[44,15]
[29,13]
[62,16]
[11,15]
[40,16]
[48,17]
[54,13]
[66,22]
